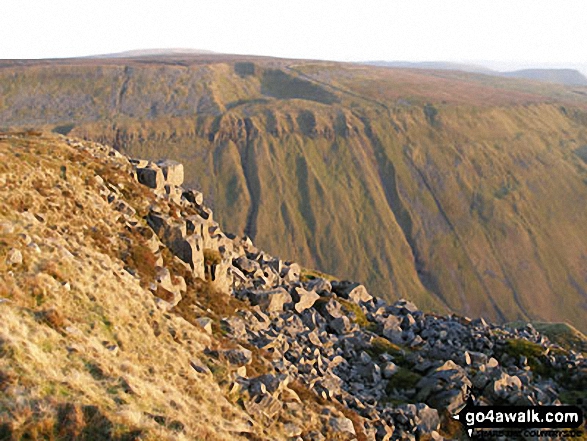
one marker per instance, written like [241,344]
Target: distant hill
[570,77]
[465,192]
[434,65]
[152,53]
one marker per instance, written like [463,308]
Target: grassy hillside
[464,192]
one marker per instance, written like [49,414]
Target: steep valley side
[483,215]
[461,192]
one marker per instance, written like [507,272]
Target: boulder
[319,285]
[172,171]
[270,300]
[340,325]
[276,265]
[193,196]
[291,273]
[342,425]
[427,419]
[197,225]
[392,329]
[445,387]
[247,266]
[390,369]
[190,250]
[354,292]
[219,270]
[330,309]
[235,326]
[239,279]
[238,357]
[272,383]
[504,385]
[151,176]
[158,221]
[205,323]
[173,193]
[303,299]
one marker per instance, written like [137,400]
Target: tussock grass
[358,315]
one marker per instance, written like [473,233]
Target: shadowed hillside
[464,192]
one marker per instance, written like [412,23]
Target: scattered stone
[13,257]
[428,419]
[342,425]
[309,339]
[205,323]
[291,430]
[340,325]
[390,370]
[200,367]
[238,357]
[6,227]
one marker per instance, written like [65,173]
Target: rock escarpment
[356,350]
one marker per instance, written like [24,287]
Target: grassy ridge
[461,191]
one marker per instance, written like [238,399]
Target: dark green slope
[458,192]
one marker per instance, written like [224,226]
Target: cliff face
[460,191]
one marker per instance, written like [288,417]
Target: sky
[510,32]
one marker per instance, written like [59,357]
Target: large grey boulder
[341,325]
[392,328]
[330,309]
[271,300]
[504,385]
[197,225]
[354,292]
[218,269]
[445,387]
[319,285]
[158,222]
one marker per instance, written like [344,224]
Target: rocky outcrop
[399,370]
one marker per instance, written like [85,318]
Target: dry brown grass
[83,347]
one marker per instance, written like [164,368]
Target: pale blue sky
[522,31]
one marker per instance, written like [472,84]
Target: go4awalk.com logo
[548,421]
